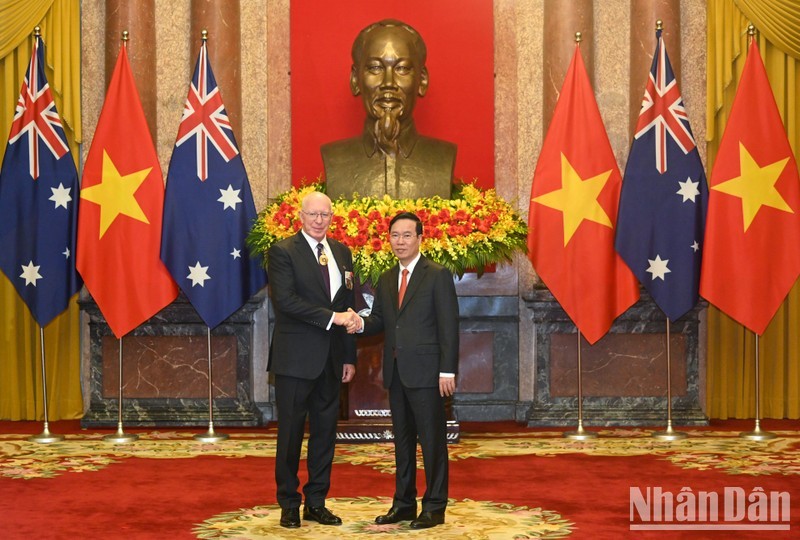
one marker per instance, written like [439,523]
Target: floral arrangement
[470,231]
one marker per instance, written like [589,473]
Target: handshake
[349,319]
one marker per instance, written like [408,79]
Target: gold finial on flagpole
[125,35]
[659,24]
[751,30]
[37,31]
[578,37]
[204,35]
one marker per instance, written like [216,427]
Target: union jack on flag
[662,209]
[204,118]
[663,110]
[39,200]
[209,208]
[36,115]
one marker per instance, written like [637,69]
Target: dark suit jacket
[423,334]
[300,342]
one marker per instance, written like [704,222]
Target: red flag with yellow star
[752,242]
[573,212]
[122,199]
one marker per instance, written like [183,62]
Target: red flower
[453,230]
[461,215]
[444,214]
[352,214]
[362,239]
[374,215]
[376,244]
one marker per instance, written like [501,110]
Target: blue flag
[208,207]
[664,198]
[39,200]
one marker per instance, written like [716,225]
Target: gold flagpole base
[45,437]
[120,437]
[757,435]
[669,434]
[211,436]
[580,434]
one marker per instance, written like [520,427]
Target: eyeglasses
[405,236]
[318,215]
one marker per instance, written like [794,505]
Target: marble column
[561,21]
[222,20]
[644,14]
[138,18]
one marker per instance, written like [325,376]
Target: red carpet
[166,485]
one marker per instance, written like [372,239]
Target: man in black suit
[417,308]
[311,284]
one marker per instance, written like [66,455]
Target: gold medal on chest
[323,259]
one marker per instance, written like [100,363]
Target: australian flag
[208,207]
[39,200]
[664,198]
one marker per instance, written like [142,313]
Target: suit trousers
[419,413]
[296,399]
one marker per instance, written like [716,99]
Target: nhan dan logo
[733,509]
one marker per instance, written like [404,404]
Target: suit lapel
[340,258]
[310,257]
[393,285]
[413,284]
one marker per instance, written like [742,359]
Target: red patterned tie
[403,286]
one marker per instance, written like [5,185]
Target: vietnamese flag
[573,212]
[122,199]
[752,240]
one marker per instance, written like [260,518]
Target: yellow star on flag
[115,194]
[577,199]
[755,186]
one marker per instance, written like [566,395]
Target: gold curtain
[20,351]
[731,348]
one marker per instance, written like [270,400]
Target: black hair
[407,215]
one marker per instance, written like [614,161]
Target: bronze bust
[390,156]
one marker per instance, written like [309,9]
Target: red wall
[458,107]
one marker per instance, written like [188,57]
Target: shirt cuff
[448,375]
[330,322]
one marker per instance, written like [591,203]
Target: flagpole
[210,436]
[580,434]
[669,434]
[757,434]
[120,437]
[45,436]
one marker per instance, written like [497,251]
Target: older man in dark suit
[417,308]
[311,284]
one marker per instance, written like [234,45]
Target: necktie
[323,265]
[403,286]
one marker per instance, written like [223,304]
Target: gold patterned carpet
[520,484]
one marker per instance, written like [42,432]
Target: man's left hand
[348,373]
[447,386]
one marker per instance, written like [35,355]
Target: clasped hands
[349,319]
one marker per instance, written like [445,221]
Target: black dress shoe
[290,518]
[426,520]
[320,514]
[395,515]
